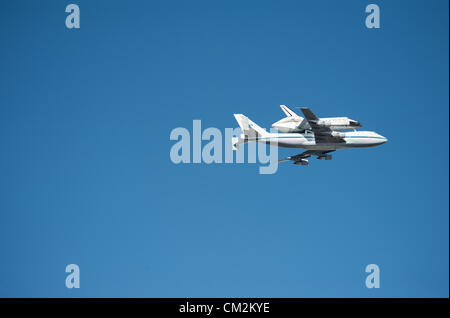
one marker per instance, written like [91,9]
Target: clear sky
[86,176]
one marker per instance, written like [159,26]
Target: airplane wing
[322,134]
[306,154]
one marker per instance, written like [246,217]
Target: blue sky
[86,176]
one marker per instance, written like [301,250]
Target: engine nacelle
[325,157]
[301,162]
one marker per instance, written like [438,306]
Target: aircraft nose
[383,139]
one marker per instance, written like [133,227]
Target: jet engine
[301,162]
[325,157]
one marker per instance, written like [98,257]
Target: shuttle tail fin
[289,112]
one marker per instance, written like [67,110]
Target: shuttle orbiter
[295,123]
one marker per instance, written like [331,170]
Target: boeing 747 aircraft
[319,141]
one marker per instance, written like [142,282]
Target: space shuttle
[294,123]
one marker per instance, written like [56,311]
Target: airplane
[295,123]
[319,141]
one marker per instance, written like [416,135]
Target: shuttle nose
[355,123]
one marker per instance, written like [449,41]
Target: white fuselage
[353,139]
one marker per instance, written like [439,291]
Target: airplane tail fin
[249,128]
